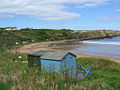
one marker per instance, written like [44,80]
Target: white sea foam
[96,42]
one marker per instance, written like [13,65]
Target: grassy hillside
[18,76]
[41,34]
[51,35]
[8,36]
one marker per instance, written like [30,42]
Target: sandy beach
[41,46]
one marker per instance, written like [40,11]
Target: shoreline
[45,46]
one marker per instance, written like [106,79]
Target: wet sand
[46,46]
[39,47]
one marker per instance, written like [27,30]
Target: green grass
[18,76]
[103,69]
[4,86]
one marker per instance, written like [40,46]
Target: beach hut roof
[51,55]
[55,55]
[39,53]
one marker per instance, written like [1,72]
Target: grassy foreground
[18,76]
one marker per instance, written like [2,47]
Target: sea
[98,47]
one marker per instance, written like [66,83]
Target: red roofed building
[9,28]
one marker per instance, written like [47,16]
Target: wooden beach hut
[53,61]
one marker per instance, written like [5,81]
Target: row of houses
[15,43]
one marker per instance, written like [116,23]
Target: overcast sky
[58,14]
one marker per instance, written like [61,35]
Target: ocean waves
[101,42]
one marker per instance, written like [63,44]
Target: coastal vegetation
[16,75]
[39,35]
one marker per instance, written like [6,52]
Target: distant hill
[52,35]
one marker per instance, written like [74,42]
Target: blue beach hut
[54,61]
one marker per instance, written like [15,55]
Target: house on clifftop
[49,61]
[9,28]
